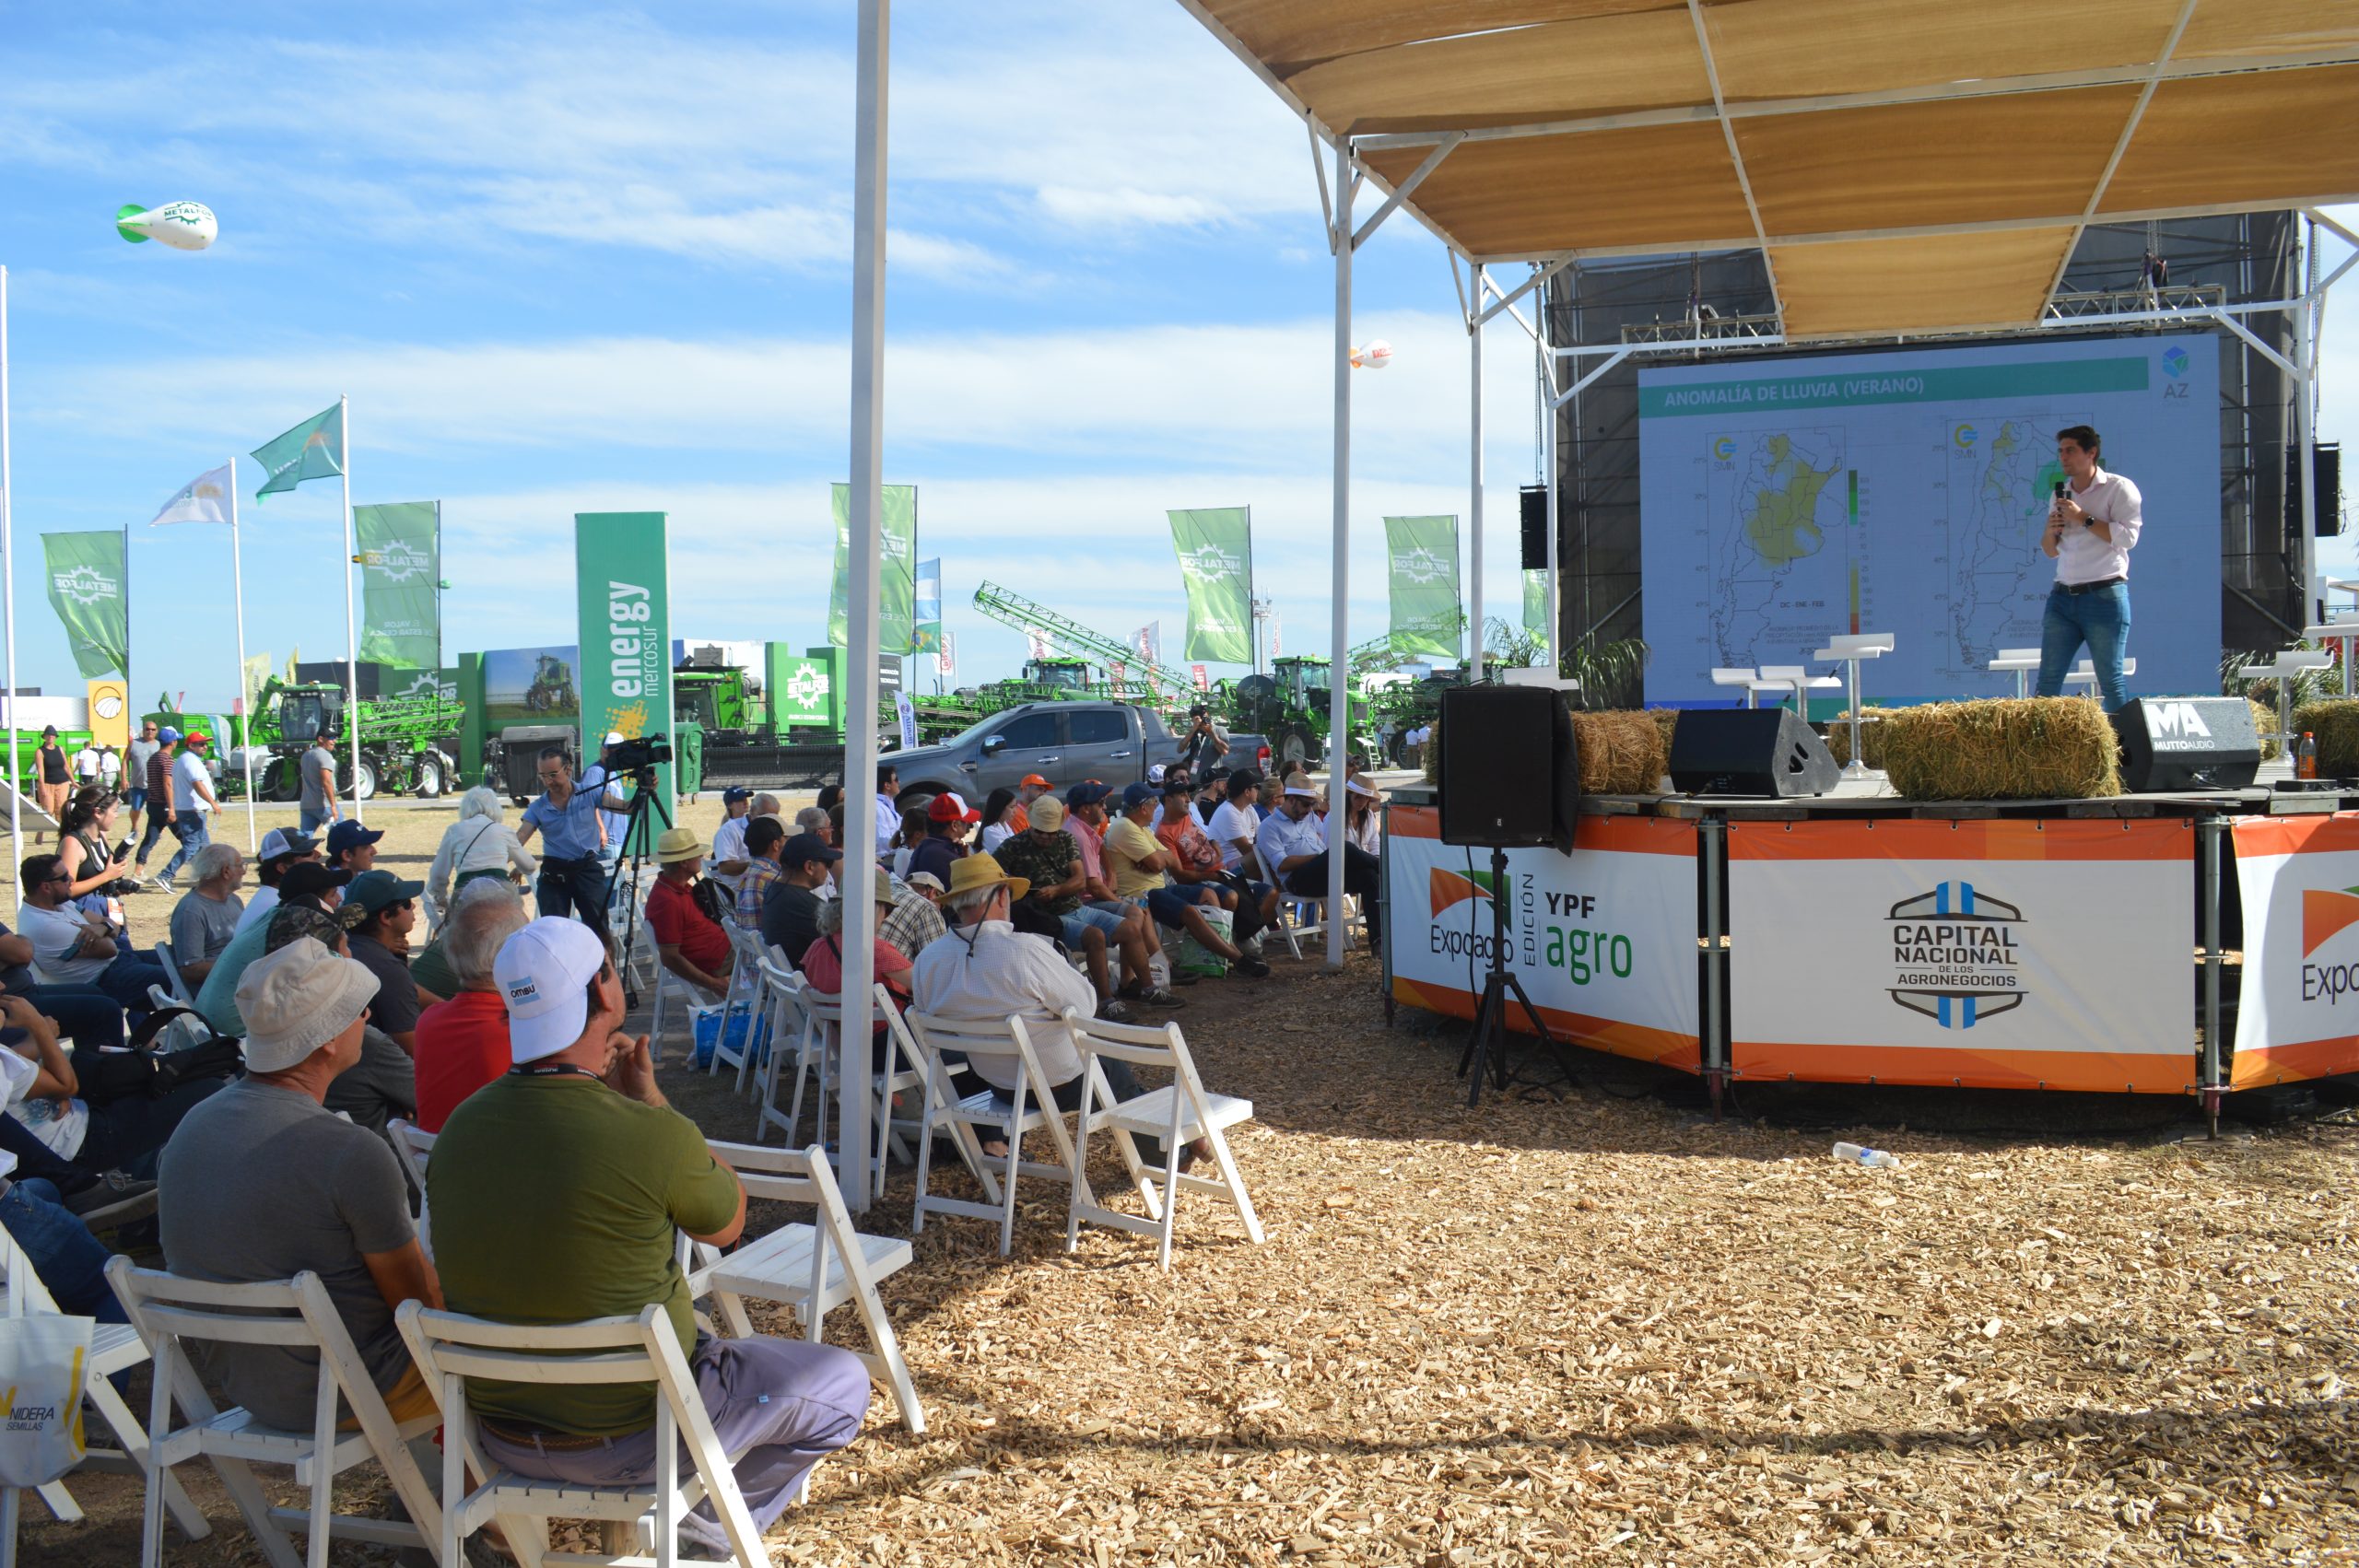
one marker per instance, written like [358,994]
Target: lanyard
[554,1070]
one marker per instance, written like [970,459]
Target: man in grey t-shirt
[318,768]
[271,1184]
[208,914]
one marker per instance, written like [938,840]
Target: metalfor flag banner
[89,577]
[1984,955]
[1423,553]
[622,577]
[1535,602]
[1215,549]
[204,498]
[925,633]
[897,586]
[2299,1013]
[313,450]
[401,571]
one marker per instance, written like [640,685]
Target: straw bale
[1621,752]
[1667,720]
[2264,724]
[2335,722]
[1838,735]
[2001,749]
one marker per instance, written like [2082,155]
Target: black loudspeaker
[2326,466]
[1749,751]
[2188,743]
[1535,528]
[1509,774]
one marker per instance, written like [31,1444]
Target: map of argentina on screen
[1784,502]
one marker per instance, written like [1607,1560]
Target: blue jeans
[137,800]
[63,1253]
[84,1014]
[575,887]
[1087,918]
[190,828]
[2100,618]
[308,820]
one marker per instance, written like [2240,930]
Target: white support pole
[351,638]
[1474,658]
[1339,684]
[237,589]
[9,592]
[1548,455]
[857,874]
[2306,359]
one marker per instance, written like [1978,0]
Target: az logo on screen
[2174,363]
[1444,888]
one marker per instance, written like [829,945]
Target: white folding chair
[743,996]
[295,1314]
[114,1348]
[1178,1114]
[412,1146]
[904,1070]
[792,1035]
[1301,916]
[810,1269]
[1030,1107]
[451,1348]
[181,993]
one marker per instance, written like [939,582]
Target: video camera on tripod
[639,754]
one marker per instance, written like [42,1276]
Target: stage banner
[622,574]
[401,580]
[925,633]
[1603,939]
[896,581]
[1424,559]
[89,577]
[2298,1015]
[2000,955]
[1215,549]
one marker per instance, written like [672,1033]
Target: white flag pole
[351,645]
[245,699]
[9,592]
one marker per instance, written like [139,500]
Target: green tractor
[551,691]
[408,744]
[719,702]
[1290,706]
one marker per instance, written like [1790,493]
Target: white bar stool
[1726,677]
[2345,634]
[1850,649]
[2285,669]
[2023,662]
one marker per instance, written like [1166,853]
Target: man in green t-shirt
[555,1192]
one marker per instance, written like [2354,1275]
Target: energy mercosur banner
[1423,556]
[401,573]
[89,579]
[1603,939]
[897,586]
[623,576]
[1997,954]
[2298,1015]
[1215,549]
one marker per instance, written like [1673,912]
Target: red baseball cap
[1031,779]
[948,807]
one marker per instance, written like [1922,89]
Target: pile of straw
[2264,724]
[2004,749]
[1838,735]
[1621,752]
[1667,720]
[2334,721]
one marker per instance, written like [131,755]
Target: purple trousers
[778,1406]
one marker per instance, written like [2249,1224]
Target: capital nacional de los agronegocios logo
[1957,955]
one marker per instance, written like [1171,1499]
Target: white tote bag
[42,1359]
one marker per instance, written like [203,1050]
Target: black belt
[2089,586]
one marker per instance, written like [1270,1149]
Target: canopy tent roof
[1905,166]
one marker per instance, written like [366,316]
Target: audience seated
[379,912]
[765,836]
[1294,845]
[1139,864]
[123,1133]
[948,820]
[791,908]
[263,1182]
[463,1043]
[308,881]
[558,1190]
[1193,860]
[1048,861]
[382,1085]
[208,914]
[281,848]
[71,947]
[688,939]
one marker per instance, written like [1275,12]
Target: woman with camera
[83,852]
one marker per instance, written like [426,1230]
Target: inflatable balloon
[185,226]
[1375,357]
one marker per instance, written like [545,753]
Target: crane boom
[1015,610]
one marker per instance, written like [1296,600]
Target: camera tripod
[1488,1046]
[638,838]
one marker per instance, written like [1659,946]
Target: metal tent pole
[351,637]
[1339,683]
[9,592]
[1474,658]
[869,114]
[2305,372]
[245,704]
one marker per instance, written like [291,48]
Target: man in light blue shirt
[572,881]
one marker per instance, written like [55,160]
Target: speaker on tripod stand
[1510,779]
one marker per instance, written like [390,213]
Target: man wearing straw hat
[692,944]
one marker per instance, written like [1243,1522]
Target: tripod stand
[1488,1045]
[639,835]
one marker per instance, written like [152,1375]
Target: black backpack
[145,1071]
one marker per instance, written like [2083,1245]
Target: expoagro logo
[1210,563]
[1957,955]
[1444,888]
[85,586]
[1468,937]
[2326,912]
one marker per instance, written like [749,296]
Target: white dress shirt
[2081,555]
[1282,837]
[1004,971]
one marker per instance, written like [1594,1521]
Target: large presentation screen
[1785,501]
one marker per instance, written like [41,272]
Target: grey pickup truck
[1064,743]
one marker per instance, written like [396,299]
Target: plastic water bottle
[2306,756]
[1873,1159]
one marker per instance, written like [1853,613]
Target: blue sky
[573,258]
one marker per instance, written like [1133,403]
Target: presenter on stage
[2091,526]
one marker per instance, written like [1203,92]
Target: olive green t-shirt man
[556,1200]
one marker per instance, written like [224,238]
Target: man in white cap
[557,1192]
[281,848]
[1294,845]
[262,1182]
[689,939]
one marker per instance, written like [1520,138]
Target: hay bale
[1621,752]
[1667,720]
[2264,724]
[1839,735]
[2334,721]
[2001,749]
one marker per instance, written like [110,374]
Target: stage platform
[2183,942]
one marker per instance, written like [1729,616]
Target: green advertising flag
[805,689]
[89,576]
[1423,556]
[401,570]
[313,450]
[897,588]
[1215,549]
[623,579]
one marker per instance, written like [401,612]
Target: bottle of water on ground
[1874,1159]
